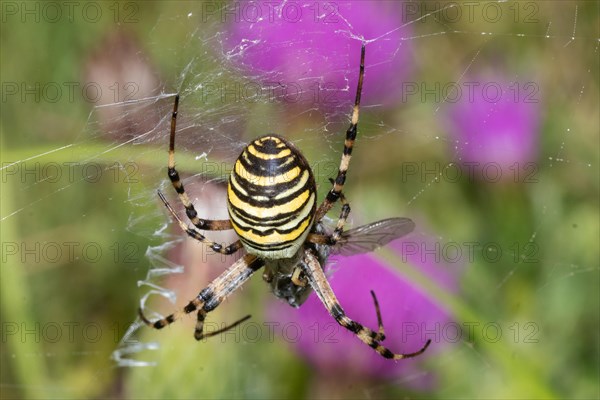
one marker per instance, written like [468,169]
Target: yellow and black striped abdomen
[271,198]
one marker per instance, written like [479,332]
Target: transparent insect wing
[367,238]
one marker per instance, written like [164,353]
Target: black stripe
[351,132]
[268,145]
[211,304]
[269,204]
[387,353]
[271,222]
[274,166]
[255,265]
[332,196]
[348,150]
[249,218]
[173,175]
[232,248]
[337,312]
[271,193]
[215,300]
[279,219]
[191,212]
[355,327]
[271,246]
[267,171]
[206,294]
[275,229]
[195,235]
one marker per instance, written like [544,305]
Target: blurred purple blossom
[314,45]
[409,314]
[496,124]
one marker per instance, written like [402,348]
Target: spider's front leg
[338,184]
[210,297]
[318,281]
[204,224]
[331,240]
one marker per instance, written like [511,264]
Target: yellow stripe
[244,192]
[260,212]
[277,224]
[305,212]
[237,185]
[266,180]
[270,138]
[283,153]
[245,155]
[275,237]
[296,188]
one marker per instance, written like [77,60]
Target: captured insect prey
[272,204]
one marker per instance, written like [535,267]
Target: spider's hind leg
[199,331]
[194,233]
[210,297]
[318,281]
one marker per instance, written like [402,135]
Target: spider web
[223,105]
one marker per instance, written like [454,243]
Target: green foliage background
[557,289]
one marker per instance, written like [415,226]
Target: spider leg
[337,233]
[298,277]
[335,192]
[204,224]
[199,331]
[332,239]
[210,297]
[381,333]
[316,278]
[230,249]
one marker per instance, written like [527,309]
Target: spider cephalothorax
[271,198]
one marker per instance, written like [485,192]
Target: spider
[271,199]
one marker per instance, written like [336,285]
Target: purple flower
[410,316]
[312,49]
[495,125]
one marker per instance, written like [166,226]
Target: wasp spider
[272,204]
